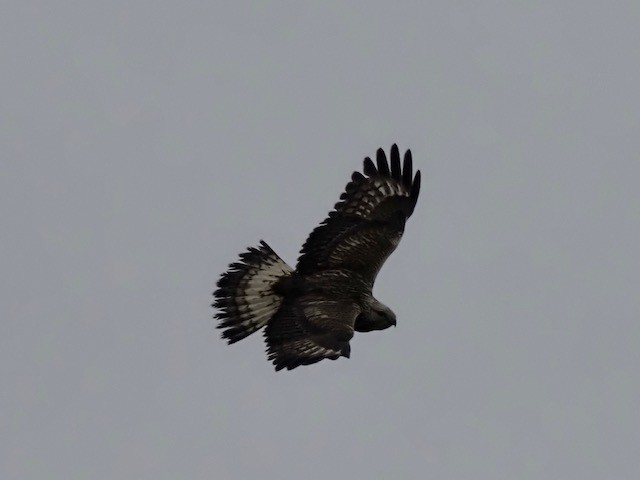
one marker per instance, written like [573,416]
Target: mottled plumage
[311,312]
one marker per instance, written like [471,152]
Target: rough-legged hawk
[311,312]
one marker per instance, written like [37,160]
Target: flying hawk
[311,313]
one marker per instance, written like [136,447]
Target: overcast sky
[143,145]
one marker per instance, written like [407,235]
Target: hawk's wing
[367,223]
[308,329]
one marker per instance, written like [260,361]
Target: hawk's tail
[245,298]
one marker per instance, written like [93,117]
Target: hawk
[311,312]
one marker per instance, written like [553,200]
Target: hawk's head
[377,317]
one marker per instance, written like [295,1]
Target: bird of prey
[311,312]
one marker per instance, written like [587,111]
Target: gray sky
[145,144]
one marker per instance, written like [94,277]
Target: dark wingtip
[357,177]
[369,168]
[415,187]
[391,168]
[381,160]
[396,170]
[407,170]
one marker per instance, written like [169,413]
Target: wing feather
[308,329]
[408,168]
[369,167]
[367,223]
[383,166]
[396,170]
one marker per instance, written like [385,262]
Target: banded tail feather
[245,297]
